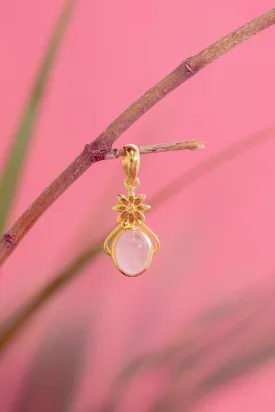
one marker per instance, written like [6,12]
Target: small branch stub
[158,148]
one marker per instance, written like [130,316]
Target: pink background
[217,233]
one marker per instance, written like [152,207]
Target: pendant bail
[131,163]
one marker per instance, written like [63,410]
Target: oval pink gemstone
[132,252]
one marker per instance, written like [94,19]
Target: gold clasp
[131,163]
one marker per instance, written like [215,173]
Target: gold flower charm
[131,209]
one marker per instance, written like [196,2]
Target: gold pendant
[131,244]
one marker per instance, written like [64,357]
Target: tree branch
[102,145]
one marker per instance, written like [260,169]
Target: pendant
[131,244]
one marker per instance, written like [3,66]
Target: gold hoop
[131,164]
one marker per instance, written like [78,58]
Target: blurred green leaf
[247,344]
[21,140]
[239,363]
[53,376]
[187,357]
[184,354]
[11,326]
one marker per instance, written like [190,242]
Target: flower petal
[131,217]
[139,216]
[139,199]
[142,207]
[131,199]
[123,216]
[119,207]
[123,199]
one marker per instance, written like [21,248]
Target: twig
[158,148]
[102,145]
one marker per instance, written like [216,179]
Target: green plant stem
[23,136]
[14,323]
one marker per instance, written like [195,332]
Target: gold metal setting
[131,210]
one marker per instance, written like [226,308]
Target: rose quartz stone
[132,252]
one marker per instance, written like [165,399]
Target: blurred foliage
[22,139]
[59,359]
[204,357]
[184,355]
[16,321]
[11,326]
[56,369]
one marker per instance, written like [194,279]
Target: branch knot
[9,239]
[99,153]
